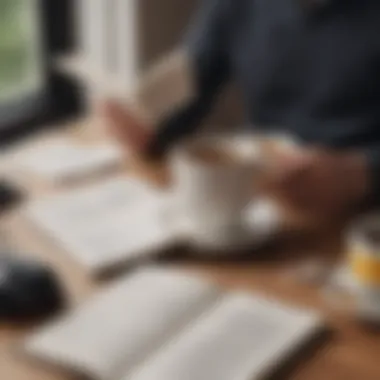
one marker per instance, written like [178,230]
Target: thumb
[289,165]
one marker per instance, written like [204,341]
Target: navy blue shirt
[312,70]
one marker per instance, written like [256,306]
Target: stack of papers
[108,223]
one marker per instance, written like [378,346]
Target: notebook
[106,224]
[162,324]
[63,160]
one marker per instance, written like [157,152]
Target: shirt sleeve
[207,49]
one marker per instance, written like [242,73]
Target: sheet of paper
[107,224]
[63,160]
[166,86]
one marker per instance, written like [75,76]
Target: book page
[122,326]
[62,160]
[107,224]
[241,338]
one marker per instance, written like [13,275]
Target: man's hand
[125,127]
[321,182]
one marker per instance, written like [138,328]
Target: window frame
[59,98]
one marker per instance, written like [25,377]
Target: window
[21,69]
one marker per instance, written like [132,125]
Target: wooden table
[351,352]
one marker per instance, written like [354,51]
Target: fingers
[119,116]
[114,118]
[125,125]
[293,171]
[290,165]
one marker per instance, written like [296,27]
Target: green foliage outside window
[19,48]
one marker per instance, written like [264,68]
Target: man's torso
[313,71]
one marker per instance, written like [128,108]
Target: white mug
[213,199]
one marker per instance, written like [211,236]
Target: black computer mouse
[9,195]
[28,290]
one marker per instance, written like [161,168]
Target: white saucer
[261,222]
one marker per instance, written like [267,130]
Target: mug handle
[263,217]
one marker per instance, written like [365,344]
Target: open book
[124,221]
[161,324]
[107,224]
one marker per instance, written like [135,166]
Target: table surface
[349,352]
